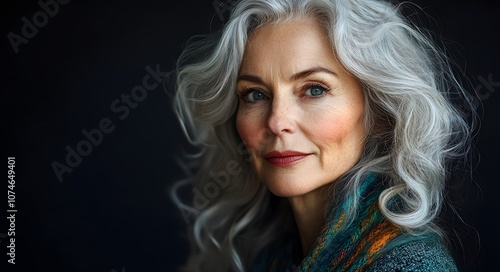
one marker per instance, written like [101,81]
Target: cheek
[248,127]
[326,124]
[339,132]
[329,133]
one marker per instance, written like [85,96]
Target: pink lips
[285,158]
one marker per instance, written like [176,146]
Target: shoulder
[417,255]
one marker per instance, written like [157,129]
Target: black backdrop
[68,73]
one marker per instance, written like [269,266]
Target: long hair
[413,128]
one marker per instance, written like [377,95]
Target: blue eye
[315,91]
[255,95]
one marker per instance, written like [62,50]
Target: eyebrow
[311,71]
[295,76]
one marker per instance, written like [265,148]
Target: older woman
[325,130]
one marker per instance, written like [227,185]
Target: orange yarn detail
[385,233]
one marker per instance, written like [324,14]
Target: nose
[280,119]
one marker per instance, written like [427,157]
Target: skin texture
[295,95]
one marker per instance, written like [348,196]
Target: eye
[316,90]
[253,95]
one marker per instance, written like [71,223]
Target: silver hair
[413,128]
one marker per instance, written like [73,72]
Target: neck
[308,211]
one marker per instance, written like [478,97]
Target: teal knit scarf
[339,248]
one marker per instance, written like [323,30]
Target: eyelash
[247,90]
[325,88]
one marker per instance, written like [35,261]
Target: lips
[285,158]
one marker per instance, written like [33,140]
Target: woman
[326,133]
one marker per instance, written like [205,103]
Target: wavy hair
[413,128]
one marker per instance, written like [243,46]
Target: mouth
[285,158]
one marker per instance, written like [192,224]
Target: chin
[287,188]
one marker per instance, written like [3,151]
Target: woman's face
[300,113]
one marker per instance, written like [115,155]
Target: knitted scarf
[339,248]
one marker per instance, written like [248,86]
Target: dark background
[112,212]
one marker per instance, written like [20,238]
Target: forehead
[288,45]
